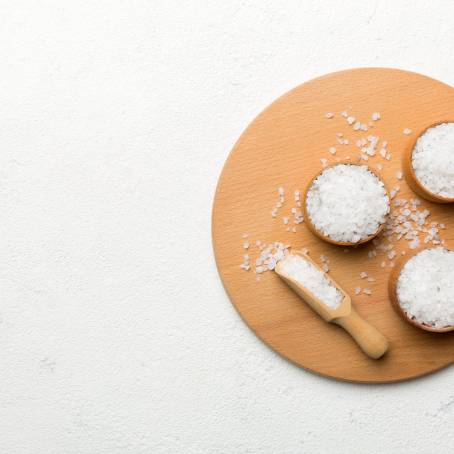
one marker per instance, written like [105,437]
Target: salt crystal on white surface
[314,280]
[425,287]
[347,202]
[433,159]
[407,131]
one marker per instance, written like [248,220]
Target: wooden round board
[282,148]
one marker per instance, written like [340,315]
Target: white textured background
[115,333]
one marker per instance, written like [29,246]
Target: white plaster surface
[116,335]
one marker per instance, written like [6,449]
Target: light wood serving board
[283,147]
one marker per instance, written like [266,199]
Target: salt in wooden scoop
[335,306]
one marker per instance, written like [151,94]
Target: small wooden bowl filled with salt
[429,163]
[421,289]
[346,204]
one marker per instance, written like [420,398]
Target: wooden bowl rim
[415,184]
[392,291]
[320,235]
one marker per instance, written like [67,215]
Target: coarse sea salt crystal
[433,160]
[407,131]
[425,287]
[310,277]
[347,203]
[376,116]
[329,115]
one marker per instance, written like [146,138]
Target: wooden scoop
[370,340]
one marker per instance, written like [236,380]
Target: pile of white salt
[310,277]
[433,160]
[425,287]
[347,203]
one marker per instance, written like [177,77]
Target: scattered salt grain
[425,287]
[324,162]
[307,275]
[246,245]
[350,120]
[363,275]
[376,116]
[332,150]
[285,220]
[339,215]
[399,175]
[329,115]
[367,291]
[433,160]
[357,290]
[407,131]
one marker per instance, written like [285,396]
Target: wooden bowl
[326,238]
[392,290]
[411,177]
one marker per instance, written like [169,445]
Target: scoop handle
[371,341]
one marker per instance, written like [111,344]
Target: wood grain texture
[283,147]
